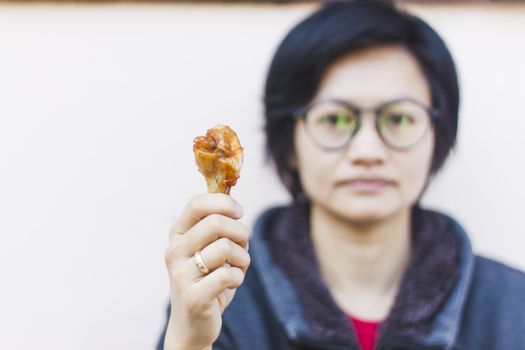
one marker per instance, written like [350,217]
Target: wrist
[174,342]
[185,347]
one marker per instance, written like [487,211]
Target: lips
[366,185]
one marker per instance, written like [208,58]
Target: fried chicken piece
[219,157]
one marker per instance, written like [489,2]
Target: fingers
[203,205]
[228,263]
[207,224]
[209,229]
[222,252]
[209,287]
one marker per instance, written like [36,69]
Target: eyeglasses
[400,123]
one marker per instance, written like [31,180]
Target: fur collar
[426,283]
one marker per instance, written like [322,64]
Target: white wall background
[98,108]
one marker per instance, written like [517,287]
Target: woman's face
[367,181]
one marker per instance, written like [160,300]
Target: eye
[331,119]
[400,119]
[341,121]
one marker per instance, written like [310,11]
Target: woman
[361,108]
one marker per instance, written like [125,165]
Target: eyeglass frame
[432,112]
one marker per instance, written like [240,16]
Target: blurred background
[99,103]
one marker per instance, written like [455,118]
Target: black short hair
[334,30]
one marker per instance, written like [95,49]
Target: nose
[366,147]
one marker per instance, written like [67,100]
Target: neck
[357,259]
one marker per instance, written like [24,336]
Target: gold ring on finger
[197,257]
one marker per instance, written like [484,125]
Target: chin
[367,210]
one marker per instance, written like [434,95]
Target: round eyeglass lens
[331,124]
[403,123]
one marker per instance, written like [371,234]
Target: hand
[207,224]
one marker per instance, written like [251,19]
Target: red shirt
[366,332]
